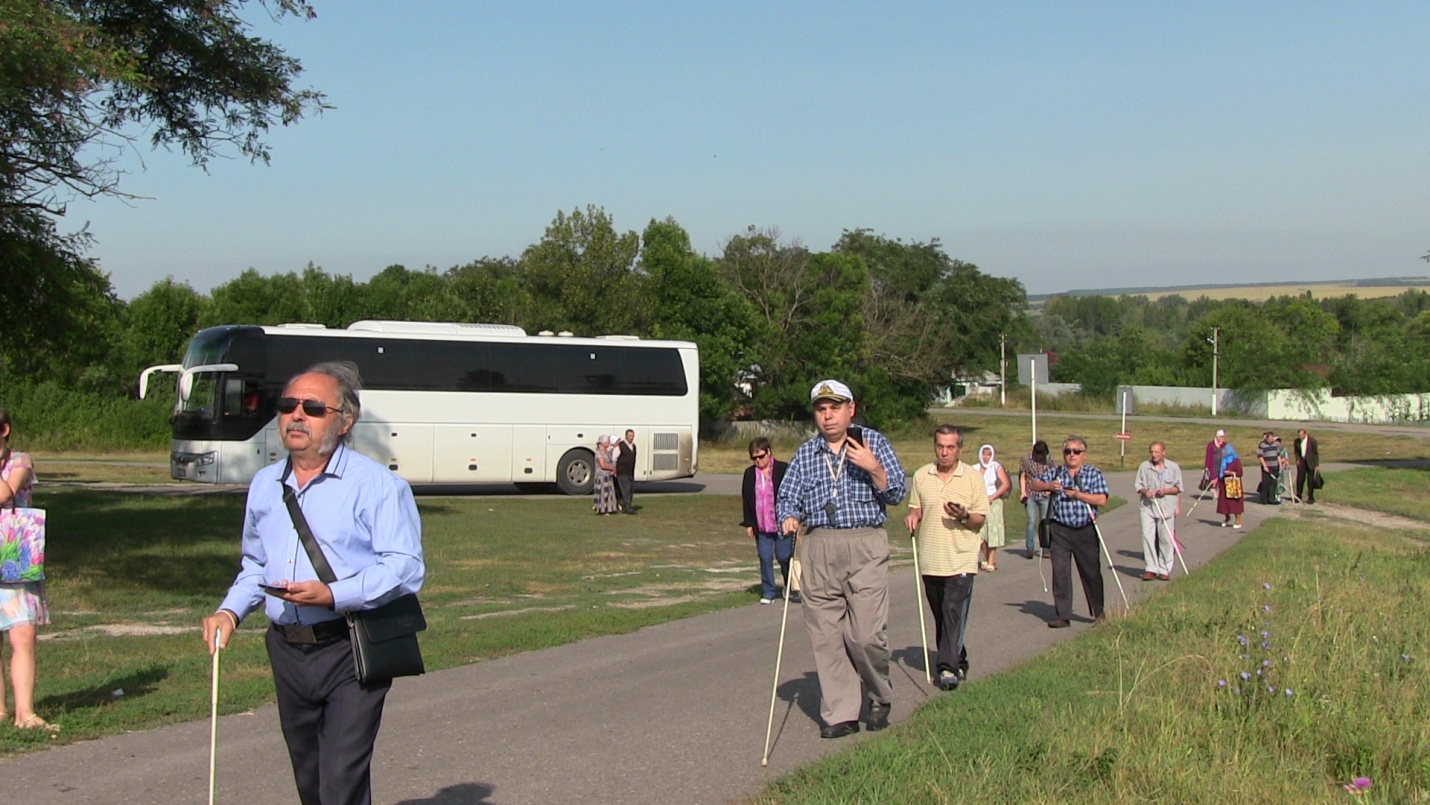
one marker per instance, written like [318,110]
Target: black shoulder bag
[385,638]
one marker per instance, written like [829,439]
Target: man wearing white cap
[837,486]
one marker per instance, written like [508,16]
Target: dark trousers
[949,597]
[1304,489]
[1270,479]
[772,548]
[1080,545]
[329,720]
[625,490]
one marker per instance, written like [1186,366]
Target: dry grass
[1260,293]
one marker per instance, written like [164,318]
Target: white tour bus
[443,402]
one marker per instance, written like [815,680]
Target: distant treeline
[1352,345]
[895,320]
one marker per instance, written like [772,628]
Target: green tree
[582,276]
[156,326]
[76,78]
[690,301]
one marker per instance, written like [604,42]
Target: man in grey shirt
[1158,479]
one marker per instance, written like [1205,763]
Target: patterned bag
[22,545]
[1232,484]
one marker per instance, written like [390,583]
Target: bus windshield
[208,347]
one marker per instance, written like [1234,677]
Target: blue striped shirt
[1066,510]
[809,486]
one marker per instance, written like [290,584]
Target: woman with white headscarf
[997,484]
[605,488]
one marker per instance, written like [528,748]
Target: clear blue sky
[1067,144]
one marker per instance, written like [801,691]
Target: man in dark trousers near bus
[626,472]
[365,523]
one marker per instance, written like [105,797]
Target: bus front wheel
[576,474]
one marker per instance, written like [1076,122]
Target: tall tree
[77,79]
[582,276]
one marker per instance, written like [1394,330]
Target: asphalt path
[675,712]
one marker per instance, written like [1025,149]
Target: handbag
[1316,483]
[22,545]
[1045,532]
[384,638]
[1232,486]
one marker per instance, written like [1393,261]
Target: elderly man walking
[365,524]
[838,486]
[947,506]
[1158,478]
[1078,489]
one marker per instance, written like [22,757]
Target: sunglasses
[313,408]
[1072,451]
[759,456]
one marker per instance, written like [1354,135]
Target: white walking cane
[919,600]
[1090,513]
[1209,488]
[213,718]
[1166,526]
[792,584]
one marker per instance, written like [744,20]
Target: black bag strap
[310,544]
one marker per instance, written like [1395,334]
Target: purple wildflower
[1241,638]
[1405,657]
[1245,675]
[1221,683]
[1358,785]
[1289,692]
[1265,585]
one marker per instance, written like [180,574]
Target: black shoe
[1060,623]
[794,598]
[948,680]
[839,730]
[878,716]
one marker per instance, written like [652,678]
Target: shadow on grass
[460,794]
[139,683]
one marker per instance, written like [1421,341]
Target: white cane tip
[764,762]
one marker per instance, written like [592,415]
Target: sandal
[34,722]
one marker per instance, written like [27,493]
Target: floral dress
[22,602]
[605,484]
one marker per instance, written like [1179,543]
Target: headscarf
[1228,455]
[989,470]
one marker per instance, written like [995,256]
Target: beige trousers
[844,582]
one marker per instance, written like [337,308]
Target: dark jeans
[625,490]
[1076,545]
[329,720]
[772,547]
[948,597]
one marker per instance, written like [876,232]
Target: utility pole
[1003,370]
[1215,341]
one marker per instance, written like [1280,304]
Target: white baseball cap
[1221,433]
[830,390]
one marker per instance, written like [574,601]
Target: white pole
[1122,450]
[919,599]
[1033,373]
[1216,353]
[1003,371]
[213,716]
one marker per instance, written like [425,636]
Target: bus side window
[240,398]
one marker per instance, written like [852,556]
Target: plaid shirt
[1075,513]
[809,485]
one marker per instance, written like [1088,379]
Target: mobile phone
[856,433]
[272,589]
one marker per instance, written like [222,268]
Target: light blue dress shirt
[364,518]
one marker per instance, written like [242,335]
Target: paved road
[670,713]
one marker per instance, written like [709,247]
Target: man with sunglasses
[760,488]
[365,524]
[1078,490]
[838,486]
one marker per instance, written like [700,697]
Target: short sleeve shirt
[946,546]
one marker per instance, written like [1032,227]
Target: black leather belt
[314,633]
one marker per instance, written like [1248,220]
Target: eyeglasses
[313,408]
[760,456]
[1072,451]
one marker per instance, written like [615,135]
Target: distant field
[1258,293]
